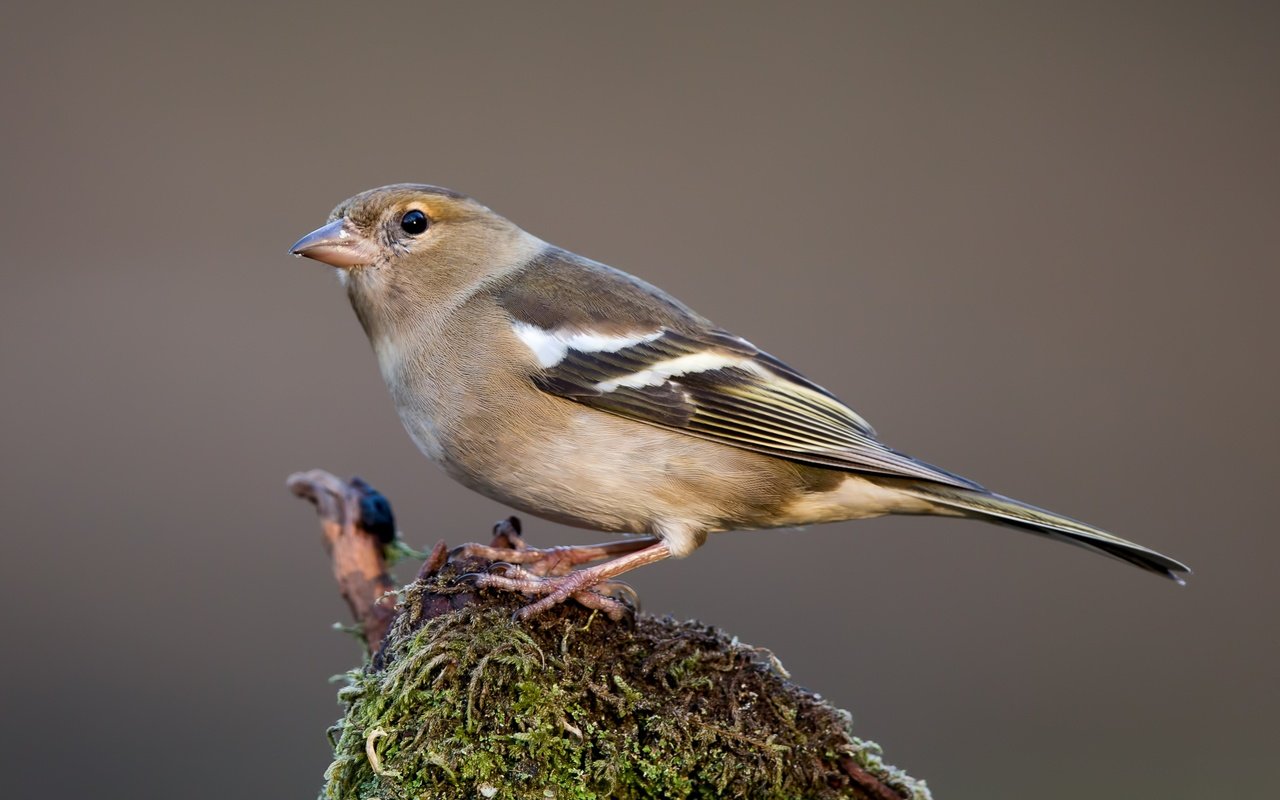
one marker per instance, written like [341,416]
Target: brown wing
[659,363]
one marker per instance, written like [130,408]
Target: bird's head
[405,248]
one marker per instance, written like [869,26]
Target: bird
[581,394]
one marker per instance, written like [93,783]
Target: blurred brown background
[1036,247]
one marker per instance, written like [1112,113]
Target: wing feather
[748,401]
[653,360]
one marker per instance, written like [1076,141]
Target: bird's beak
[337,244]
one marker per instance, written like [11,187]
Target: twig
[358,562]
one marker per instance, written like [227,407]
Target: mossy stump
[459,701]
[462,702]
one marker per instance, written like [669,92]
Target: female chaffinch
[579,393]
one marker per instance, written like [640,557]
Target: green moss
[572,706]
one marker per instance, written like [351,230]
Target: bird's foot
[584,585]
[549,561]
[591,591]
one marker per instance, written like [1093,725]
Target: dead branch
[359,565]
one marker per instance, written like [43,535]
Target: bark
[457,700]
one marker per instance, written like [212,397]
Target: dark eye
[414,222]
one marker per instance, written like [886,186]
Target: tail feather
[1007,511]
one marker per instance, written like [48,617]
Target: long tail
[1004,510]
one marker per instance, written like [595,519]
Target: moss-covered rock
[461,702]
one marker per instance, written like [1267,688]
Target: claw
[523,613]
[612,589]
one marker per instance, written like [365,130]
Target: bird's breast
[418,393]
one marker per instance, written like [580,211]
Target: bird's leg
[552,561]
[578,584]
[514,578]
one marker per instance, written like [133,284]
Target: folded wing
[689,377]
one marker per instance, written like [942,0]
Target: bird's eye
[414,222]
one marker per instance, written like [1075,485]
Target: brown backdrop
[1036,247]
